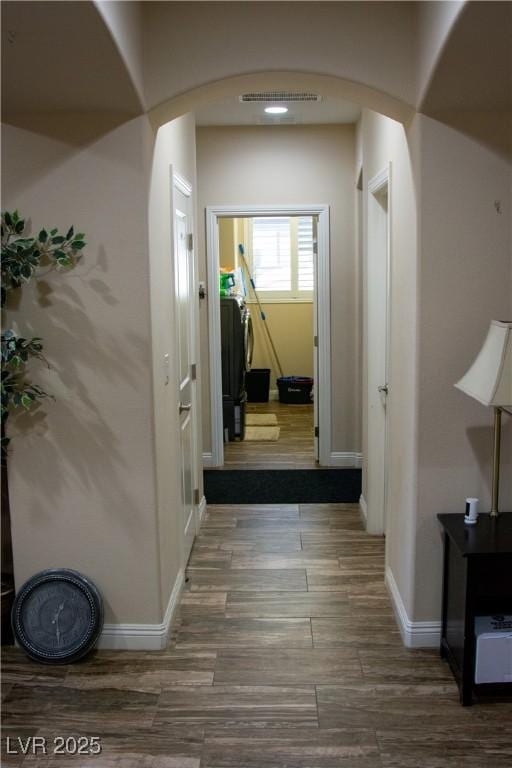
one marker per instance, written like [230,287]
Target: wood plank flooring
[293,450]
[284,654]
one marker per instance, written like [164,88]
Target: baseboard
[208,459]
[201,510]
[415,634]
[346,459]
[273,394]
[363,508]
[143,637]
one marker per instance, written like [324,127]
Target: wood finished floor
[285,654]
[293,450]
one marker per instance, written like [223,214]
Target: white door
[316,388]
[185,315]
[378,346]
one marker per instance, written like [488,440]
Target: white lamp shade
[489,380]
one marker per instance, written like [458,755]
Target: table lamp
[489,380]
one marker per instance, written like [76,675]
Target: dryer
[237,342]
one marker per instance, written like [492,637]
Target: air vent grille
[279,96]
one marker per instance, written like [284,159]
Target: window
[281,257]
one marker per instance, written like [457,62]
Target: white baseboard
[143,637]
[208,459]
[346,459]
[415,634]
[363,508]
[201,511]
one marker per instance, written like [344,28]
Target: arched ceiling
[470,87]
[189,46]
[474,68]
[59,57]
[104,59]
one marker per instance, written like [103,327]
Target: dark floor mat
[282,486]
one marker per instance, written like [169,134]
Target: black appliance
[237,346]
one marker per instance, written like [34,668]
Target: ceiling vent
[277,120]
[265,96]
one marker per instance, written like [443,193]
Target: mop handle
[262,314]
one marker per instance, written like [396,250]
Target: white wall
[381,141]
[174,153]
[285,165]
[81,469]
[466,255]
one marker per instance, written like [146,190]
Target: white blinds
[282,254]
[305,253]
[271,253]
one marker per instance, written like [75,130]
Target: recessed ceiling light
[276,110]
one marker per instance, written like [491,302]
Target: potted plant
[22,259]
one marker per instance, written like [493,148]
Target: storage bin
[295,389]
[257,385]
[493,662]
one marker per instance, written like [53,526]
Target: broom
[262,314]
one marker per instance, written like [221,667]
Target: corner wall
[81,468]
[380,141]
[174,153]
[466,261]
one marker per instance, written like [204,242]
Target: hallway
[285,652]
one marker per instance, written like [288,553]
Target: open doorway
[268,271]
[267,268]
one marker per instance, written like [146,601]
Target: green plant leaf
[77,245]
[26,401]
[8,219]
[43,236]
[70,233]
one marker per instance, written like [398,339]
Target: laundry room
[267,263]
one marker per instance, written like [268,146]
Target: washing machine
[237,343]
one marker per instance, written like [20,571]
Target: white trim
[201,511]
[415,634]
[363,509]
[143,637]
[346,459]
[208,459]
[181,183]
[323,302]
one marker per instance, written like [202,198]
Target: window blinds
[282,254]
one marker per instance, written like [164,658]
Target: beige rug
[260,419]
[262,434]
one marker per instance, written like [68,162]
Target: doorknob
[186,407]
[383,388]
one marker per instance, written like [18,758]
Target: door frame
[377,515]
[322,305]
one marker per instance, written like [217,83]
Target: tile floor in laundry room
[293,450]
[284,654]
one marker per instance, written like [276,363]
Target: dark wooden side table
[477,581]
